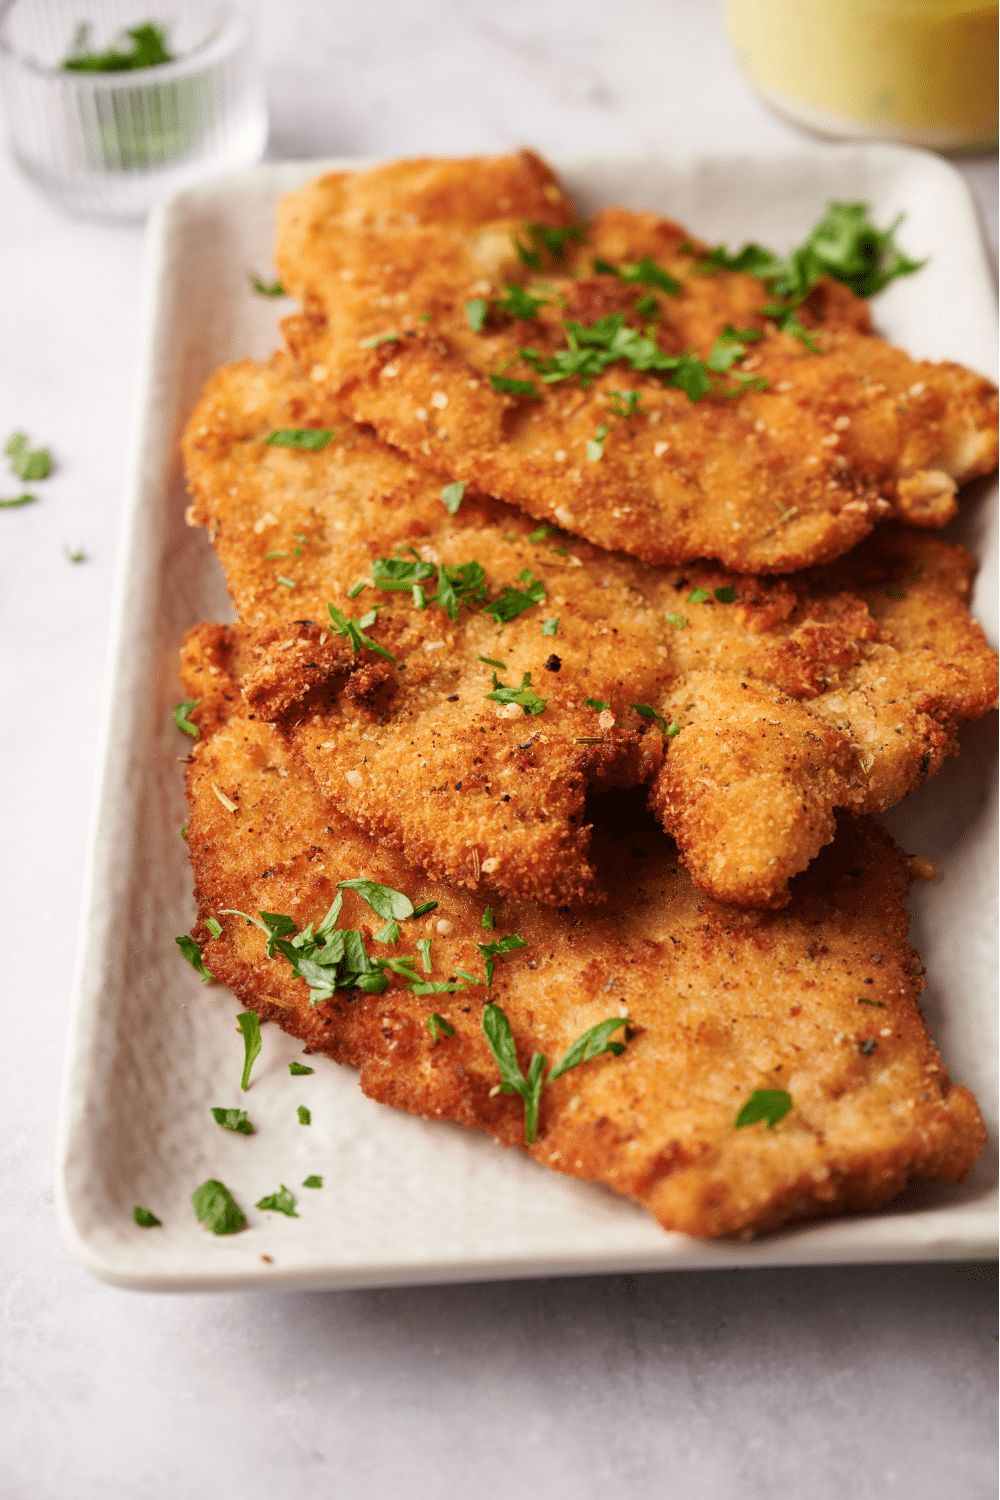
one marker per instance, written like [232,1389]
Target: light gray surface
[865,1382]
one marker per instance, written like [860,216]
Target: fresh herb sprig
[525,695]
[147,49]
[500,1040]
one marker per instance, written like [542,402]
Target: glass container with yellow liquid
[922,72]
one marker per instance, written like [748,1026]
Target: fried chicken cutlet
[815,1006]
[753,708]
[441,298]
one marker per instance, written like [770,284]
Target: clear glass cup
[111,144]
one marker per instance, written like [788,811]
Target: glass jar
[109,144]
[921,72]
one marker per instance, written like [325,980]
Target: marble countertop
[868,1382]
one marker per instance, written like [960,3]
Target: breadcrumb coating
[389,262]
[818,1000]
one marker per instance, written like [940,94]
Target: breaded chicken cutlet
[812,1010]
[456,307]
[753,708]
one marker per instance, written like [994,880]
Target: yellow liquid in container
[923,72]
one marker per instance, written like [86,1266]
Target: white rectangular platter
[151,1050]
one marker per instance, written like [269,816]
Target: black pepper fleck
[553,663]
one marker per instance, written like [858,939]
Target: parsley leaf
[487,923]
[436,1023]
[249,1023]
[382,899]
[299,1070]
[148,49]
[725,595]
[192,953]
[513,602]
[305,1118]
[353,629]
[312,1182]
[698,596]
[679,620]
[314,439]
[27,463]
[499,949]
[595,445]
[19,500]
[281,1202]
[183,722]
[390,933]
[381,338]
[491,661]
[144,1218]
[475,313]
[597,703]
[514,387]
[542,532]
[644,273]
[500,1040]
[771,1105]
[395,574]
[266,288]
[216,1208]
[525,695]
[649,713]
[422,910]
[542,239]
[424,949]
[625,403]
[451,496]
[549,627]
[233,1119]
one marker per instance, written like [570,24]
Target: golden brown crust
[771,482]
[819,999]
[838,688]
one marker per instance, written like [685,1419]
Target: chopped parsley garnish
[844,245]
[541,533]
[644,273]
[27,463]
[595,445]
[305,1118]
[649,713]
[436,988]
[513,602]
[424,949]
[725,595]
[358,588]
[625,403]
[476,310]
[216,1208]
[771,1105]
[422,910]
[487,922]
[249,1023]
[524,695]
[698,596]
[500,1040]
[457,583]
[299,1070]
[354,629]
[784,314]
[233,1119]
[451,496]
[436,1024]
[673,729]
[144,1218]
[491,661]
[879,1003]
[147,50]
[519,304]
[288,583]
[182,831]
[383,900]
[18,500]
[679,620]
[514,387]
[382,338]
[266,288]
[544,240]
[312,1182]
[183,722]
[597,703]
[549,627]
[76,555]
[390,933]
[192,953]
[591,350]
[314,439]
[213,927]
[281,1202]
[499,949]
[895,593]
